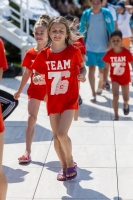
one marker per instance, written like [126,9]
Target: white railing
[22,15]
[22,19]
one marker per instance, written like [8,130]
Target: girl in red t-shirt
[118,59]
[3,181]
[62,65]
[81,45]
[36,93]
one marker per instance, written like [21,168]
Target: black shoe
[107,86]
[126,111]
[80,100]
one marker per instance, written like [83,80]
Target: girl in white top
[124,15]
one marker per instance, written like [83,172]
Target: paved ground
[102,148]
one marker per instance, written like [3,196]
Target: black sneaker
[80,100]
[126,111]
[107,86]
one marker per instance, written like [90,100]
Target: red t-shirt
[3,62]
[119,65]
[60,70]
[34,91]
[81,45]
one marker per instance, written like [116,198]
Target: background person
[118,59]
[67,7]
[124,16]
[36,93]
[96,24]
[81,45]
[112,9]
[8,103]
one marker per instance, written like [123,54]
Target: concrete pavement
[102,148]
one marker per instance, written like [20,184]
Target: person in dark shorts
[8,103]
[3,181]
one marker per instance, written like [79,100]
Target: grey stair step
[11,29]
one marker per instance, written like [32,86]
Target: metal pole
[27,18]
[21,18]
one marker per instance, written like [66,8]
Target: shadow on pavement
[14,175]
[75,190]
[97,114]
[73,187]
[52,164]
[32,162]
[117,198]
[16,134]
[13,83]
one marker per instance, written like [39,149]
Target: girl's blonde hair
[43,21]
[71,36]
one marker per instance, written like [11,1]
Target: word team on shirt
[118,59]
[118,63]
[58,65]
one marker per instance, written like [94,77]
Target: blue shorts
[95,59]
[131,23]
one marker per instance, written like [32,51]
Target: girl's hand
[16,95]
[81,78]
[45,98]
[104,86]
[37,79]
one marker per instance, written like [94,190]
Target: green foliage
[10,48]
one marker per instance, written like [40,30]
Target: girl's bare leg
[3,181]
[100,83]
[62,134]
[115,103]
[54,120]
[76,114]
[33,108]
[91,77]
[125,94]
[63,143]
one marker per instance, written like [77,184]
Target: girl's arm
[105,73]
[83,25]
[131,64]
[1,73]
[132,70]
[25,77]
[116,25]
[82,74]
[129,8]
